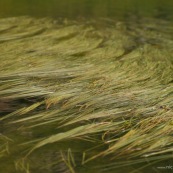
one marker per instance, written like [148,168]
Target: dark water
[87,8]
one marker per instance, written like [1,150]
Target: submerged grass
[89,94]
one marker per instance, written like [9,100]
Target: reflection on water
[85,95]
[87,8]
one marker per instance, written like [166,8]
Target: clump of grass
[107,88]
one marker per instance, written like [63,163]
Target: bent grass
[87,83]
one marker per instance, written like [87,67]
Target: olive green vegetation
[85,96]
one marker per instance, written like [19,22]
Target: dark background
[87,8]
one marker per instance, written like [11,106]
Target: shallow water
[87,8]
[86,86]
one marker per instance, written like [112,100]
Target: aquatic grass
[69,161]
[106,85]
[21,165]
[4,146]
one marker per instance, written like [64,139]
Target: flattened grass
[106,86]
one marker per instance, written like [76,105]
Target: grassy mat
[85,96]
